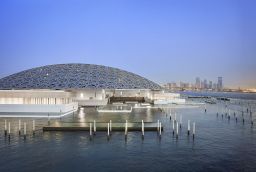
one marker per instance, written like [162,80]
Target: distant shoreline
[235,95]
[209,91]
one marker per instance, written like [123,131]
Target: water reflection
[216,140]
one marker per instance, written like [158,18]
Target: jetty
[101,126]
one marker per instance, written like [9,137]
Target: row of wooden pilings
[92,130]
[176,125]
[7,130]
[228,115]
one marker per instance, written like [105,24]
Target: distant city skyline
[162,41]
[198,84]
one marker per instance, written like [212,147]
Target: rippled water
[234,95]
[219,145]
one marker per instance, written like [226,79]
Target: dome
[76,76]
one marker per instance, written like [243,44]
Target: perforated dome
[76,76]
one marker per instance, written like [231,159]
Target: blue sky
[161,40]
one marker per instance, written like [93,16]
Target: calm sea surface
[234,95]
[219,145]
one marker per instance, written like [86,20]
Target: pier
[101,126]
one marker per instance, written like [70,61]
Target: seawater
[219,144]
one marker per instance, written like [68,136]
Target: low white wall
[89,94]
[92,102]
[176,101]
[41,108]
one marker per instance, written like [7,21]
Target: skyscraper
[210,84]
[220,84]
[198,83]
[202,85]
[205,84]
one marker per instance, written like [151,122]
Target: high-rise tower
[220,84]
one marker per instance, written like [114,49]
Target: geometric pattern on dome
[76,76]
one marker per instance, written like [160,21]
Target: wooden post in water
[158,126]
[142,129]
[9,130]
[90,131]
[175,116]
[205,108]
[94,127]
[108,131]
[194,130]
[177,130]
[170,115]
[173,127]
[110,127]
[160,130]
[188,127]
[126,130]
[33,127]
[25,131]
[19,126]
[180,120]
[5,128]
[250,110]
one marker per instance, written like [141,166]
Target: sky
[164,41]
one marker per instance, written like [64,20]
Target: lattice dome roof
[76,76]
